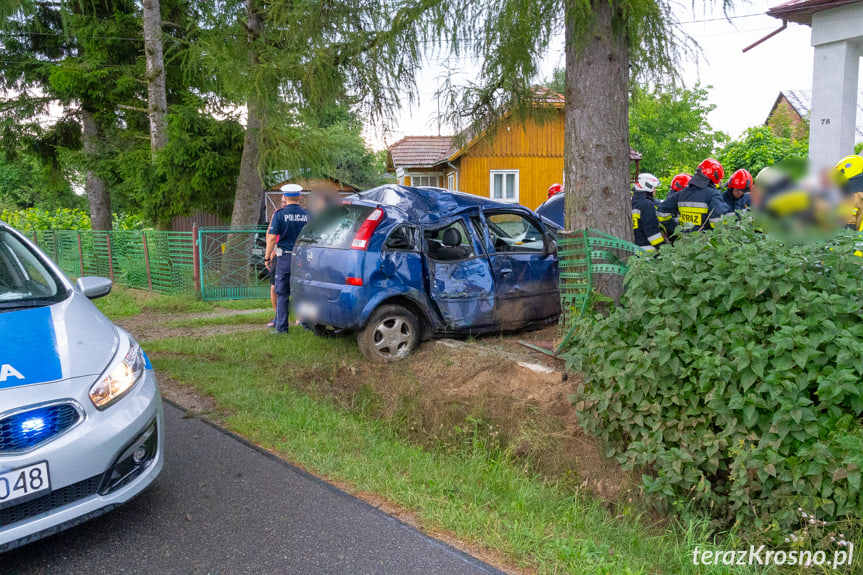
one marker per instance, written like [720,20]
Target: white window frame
[491,176]
[414,176]
[451,182]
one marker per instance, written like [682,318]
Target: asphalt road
[223,507]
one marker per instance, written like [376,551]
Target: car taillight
[353,281]
[361,240]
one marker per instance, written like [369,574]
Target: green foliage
[731,375]
[38,219]
[63,219]
[759,148]
[858,149]
[670,129]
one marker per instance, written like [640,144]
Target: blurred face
[284,201]
[737,193]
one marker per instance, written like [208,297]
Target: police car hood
[51,343]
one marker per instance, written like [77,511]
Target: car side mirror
[94,287]
[552,245]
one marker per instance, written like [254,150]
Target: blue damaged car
[398,265]
[81,427]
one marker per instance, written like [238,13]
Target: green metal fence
[586,257]
[232,263]
[163,262]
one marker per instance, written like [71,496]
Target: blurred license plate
[24,482]
[307,311]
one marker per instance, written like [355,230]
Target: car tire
[391,334]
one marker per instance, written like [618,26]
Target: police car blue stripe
[147,364]
[28,348]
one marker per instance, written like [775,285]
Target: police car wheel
[391,334]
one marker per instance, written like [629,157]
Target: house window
[504,185]
[450,181]
[424,181]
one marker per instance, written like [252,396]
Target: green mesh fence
[232,263]
[585,257]
[157,261]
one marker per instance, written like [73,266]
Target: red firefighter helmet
[713,170]
[554,189]
[740,180]
[679,182]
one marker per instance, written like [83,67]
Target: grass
[253,317]
[482,495]
[125,302]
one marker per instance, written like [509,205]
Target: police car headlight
[121,379]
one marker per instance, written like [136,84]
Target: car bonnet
[53,343]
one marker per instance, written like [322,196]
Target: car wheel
[391,334]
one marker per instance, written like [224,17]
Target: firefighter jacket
[645,224]
[736,204]
[699,204]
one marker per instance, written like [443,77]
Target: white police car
[81,427]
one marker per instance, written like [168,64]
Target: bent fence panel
[232,264]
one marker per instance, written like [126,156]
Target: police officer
[699,203]
[645,224]
[737,192]
[283,232]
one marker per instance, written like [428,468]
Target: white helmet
[646,183]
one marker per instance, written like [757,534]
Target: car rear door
[524,265]
[461,284]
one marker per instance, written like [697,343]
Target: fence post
[56,252]
[35,238]
[110,258]
[196,259]
[80,255]
[147,260]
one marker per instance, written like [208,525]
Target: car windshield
[25,281]
[335,227]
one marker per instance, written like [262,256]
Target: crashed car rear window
[24,280]
[335,227]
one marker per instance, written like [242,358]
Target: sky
[745,86]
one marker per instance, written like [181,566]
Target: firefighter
[699,203]
[645,224]
[848,173]
[678,182]
[738,191]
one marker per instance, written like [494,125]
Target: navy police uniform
[287,224]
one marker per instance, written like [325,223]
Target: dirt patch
[452,393]
[151,326]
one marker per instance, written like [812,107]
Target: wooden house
[516,160]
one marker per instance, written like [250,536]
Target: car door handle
[505,271]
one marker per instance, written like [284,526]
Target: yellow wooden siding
[532,147]
[529,137]
[535,175]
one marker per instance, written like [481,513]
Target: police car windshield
[25,281]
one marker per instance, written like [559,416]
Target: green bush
[33,219]
[731,375]
[37,219]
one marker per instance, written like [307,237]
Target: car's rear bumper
[80,464]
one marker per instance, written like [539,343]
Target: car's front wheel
[390,335]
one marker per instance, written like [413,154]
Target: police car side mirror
[94,287]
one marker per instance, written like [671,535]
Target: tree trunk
[596,148]
[97,191]
[247,201]
[596,140]
[157,100]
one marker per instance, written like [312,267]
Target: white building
[837,36]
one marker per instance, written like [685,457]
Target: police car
[81,427]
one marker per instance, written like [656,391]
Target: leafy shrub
[38,219]
[731,374]
[33,219]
